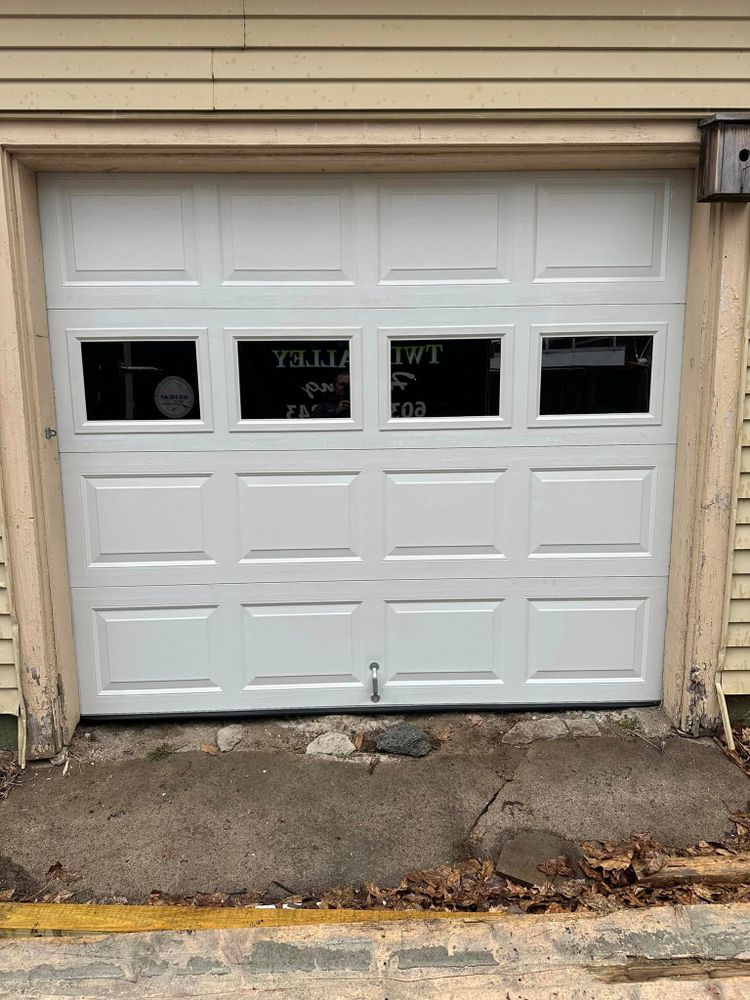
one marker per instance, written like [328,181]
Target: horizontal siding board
[4,601]
[738,634]
[508,8]
[739,610]
[6,627]
[112,64]
[121,32]
[8,702]
[53,95]
[741,561]
[498,65]
[737,659]
[523,33]
[743,511]
[448,95]
[8,680]
[740,586]
[743,490]
[742,538]
[6,653]
[133,8]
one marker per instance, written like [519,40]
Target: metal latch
[49,433]
[374,667]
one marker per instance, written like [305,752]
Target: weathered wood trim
[707,463]
[702,534]
[30,475]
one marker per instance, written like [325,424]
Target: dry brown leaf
[210,748]
[56,873]
[6,895]
[359,739]
[557,866]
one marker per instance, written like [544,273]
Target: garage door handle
[374,667]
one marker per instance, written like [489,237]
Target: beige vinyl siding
[738,628]
[357,55]
[9,692]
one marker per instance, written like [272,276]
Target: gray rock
[331,745]
[582,727]
[60,758]
[228,737]
[404,739]
[529,730]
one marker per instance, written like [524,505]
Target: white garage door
[309,424]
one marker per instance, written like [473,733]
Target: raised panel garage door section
[312,424]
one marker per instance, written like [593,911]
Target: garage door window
[140,380]
[294,379]
[445,378]
[595,375]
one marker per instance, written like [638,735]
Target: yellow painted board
[740,586]
[340,64]
[6,652]
[745,437]
[4,601]
[445,95]
[743,511]
[118,918]
[121,32]
[743,488]
[742,538]
[133,8]
[111,64]
[736,682]
[6,627]
[745,459]
[67,95]
[521,33]
[508,8]
[746,407]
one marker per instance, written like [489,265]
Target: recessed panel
[443,234]
[591,512]
[145,520]
[579,639]
[600,230]
[129,234]
[444,642]
[298,517]
[287,235]
[153,649]
[301,645]
[443,515]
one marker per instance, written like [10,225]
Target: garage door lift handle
[374,667]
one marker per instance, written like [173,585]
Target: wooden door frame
[712,374]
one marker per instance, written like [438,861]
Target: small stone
[228,737]
[529,730]
[331,745]
[60,758]
[582,727]
[404,739]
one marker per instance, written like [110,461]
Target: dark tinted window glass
[596,375]
[445,378]
[294,379]
[141,380]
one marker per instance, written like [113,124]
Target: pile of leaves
[608,877]
[9,774]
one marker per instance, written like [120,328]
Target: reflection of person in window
[335,404]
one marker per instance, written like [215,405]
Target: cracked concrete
[170,816]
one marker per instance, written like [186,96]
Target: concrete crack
[487,806]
